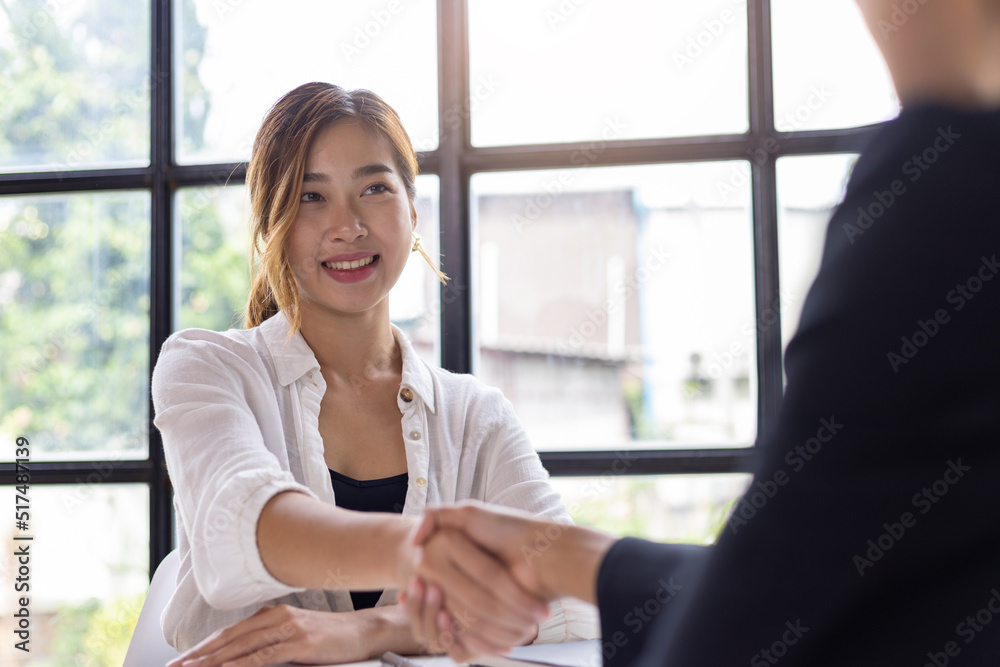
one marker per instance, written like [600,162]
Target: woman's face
[352,235]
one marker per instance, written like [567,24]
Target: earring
[419,248]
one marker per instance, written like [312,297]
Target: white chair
[148,648]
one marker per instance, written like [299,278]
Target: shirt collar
[416,373]
[293,358]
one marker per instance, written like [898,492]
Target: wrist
[387,629]
[570,566]
[404,552]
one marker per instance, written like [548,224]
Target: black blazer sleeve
[638,582]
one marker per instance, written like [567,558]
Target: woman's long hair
[274,178]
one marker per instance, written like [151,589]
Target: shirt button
[414,435]
[310,375]
[421,482]
[406,395]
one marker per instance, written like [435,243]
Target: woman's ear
[413,217]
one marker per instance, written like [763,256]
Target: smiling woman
[278,436]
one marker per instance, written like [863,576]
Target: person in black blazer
[869,535]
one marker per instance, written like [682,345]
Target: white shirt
[239,415]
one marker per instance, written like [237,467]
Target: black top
[369,495]
[869,534]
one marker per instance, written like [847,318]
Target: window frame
[455,161]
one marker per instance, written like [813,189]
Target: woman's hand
[486,610]
[288,634]
[438,632]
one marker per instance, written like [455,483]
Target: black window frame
[455,161]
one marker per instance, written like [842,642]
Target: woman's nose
[346,225]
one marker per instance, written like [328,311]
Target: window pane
[571,71]
[415,301]
[809,188]
[74,323]
[76,84]
[237,58]
[667,508]
[616,305]
[828,72]
[214,273]
[89,571]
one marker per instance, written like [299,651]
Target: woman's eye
[309,196]
[377,189]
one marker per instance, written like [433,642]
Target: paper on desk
[585,653]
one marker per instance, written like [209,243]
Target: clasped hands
[479,582]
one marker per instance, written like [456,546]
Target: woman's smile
[351,271]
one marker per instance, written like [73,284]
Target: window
[615,304]
[630,198]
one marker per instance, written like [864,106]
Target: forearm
[569,566]
[306,543]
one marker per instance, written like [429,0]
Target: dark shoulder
[926,148]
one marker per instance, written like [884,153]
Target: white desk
[571,654]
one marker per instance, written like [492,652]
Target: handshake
[482,578]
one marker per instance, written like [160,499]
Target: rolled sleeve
[569,620]
[229,559]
